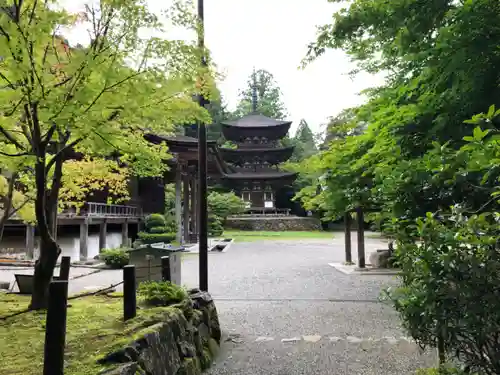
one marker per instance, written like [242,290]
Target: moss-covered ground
[95,328]
[251,236]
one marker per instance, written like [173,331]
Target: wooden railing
[94,209]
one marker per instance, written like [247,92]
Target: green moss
[95,328]
[206,359]
[190,366]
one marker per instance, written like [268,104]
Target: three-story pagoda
[255,160]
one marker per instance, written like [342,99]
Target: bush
[159,228]
[444,370]
[451,286]
[224,204]
[215,227]
[115,258]
[149,238]
[154,220]
[170,224]
[161,293]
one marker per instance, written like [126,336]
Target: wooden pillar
[178,203]
[125,239]
[103,231]
[193,205]
[84,240]
[196,221]
[30,241]
[347,235]
[361,237]
[185,207]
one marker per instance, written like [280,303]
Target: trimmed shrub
[158,230]
[161,293]
[154,220]
[149,238]
[115,258]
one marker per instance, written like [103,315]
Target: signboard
[268,204]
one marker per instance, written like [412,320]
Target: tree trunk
[49,249]
[7,207]
[53,197]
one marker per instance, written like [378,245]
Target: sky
[273,35]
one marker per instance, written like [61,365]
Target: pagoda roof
[259,176]
[177,140]
[256,120]
[256,150]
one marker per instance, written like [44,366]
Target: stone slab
[275,224]
[355,270]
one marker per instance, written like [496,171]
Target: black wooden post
[64,268]
[202,167]
[165,269]
[129,293]
[55,328]
[347,235]
[361,237]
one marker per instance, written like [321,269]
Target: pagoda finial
[254,92]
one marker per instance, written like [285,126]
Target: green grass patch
[251,236]
[95,328]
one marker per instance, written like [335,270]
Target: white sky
[273,35]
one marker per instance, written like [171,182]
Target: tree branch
[48,136]
[10,138]
[11,112]
[19,208]
[9,83]
[60,153]
[109,88]
[15,155]
[8,203]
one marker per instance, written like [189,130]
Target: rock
[201,299]
[190,366]
[215,331]
[160,356]
[184,343]
[213,347]
[206,359]
[380,259]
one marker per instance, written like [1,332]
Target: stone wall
[184,343]
[275,224]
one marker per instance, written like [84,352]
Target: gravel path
[285,311]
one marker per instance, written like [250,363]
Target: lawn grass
[251,236]
[95,328]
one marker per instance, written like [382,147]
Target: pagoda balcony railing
[95,209]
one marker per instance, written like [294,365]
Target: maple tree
[97,99]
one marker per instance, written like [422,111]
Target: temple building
[255,160]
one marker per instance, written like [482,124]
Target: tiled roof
[256,121]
